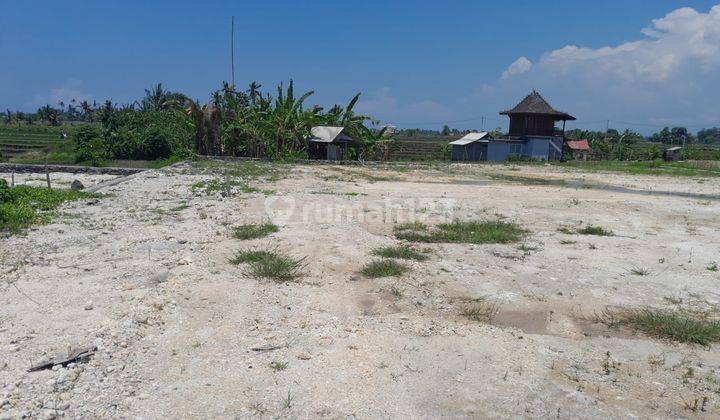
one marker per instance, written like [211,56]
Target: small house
[329,143]
[471,147]
[672,154]
[532,133]
[578,149]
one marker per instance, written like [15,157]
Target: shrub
[146,134]
[89,146]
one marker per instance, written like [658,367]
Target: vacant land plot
[525,291]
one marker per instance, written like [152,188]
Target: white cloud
[670,73]
[521,65]
[385,106]
[69,90]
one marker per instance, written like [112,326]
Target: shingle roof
[470,138]
[535,104]
[328,134]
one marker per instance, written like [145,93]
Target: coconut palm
[206,119]
[156,99]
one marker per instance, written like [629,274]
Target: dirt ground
[143,274]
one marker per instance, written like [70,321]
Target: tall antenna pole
[232,51]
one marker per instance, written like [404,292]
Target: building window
[515,149]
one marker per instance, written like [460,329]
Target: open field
[237,289]
[687,168]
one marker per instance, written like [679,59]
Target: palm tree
[206,119]
[254,92]
[157,99]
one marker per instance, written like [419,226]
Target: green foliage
[254,231]
[402,252]
[613,145]
[146,134]
[473,232]
[675,135]
[89,146]
[383,268]
[24,205]
[709,136]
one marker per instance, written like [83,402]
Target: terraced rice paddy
[16,141]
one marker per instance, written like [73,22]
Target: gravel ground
[143,274]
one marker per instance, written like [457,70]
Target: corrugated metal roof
[325,134]
[470,138]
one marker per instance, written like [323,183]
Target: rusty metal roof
[578,144]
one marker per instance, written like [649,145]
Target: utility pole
[607,129]
[482,126]
[232,51]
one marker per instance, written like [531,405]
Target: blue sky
[419,63]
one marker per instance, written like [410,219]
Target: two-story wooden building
[532,133]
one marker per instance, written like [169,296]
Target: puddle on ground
[575,184]
[549,322]
[530,322]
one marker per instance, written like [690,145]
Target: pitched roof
[578,144]
[328,134]
[535,104]
[470,138]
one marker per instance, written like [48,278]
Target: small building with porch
[578,149]
[532,133]
[471,147]
[672,154]
[329,143]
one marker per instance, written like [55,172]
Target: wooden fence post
[47,176]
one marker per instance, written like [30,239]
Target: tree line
[234,122]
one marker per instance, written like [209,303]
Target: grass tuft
[278,366]
[270,264]
[481,310]
[383,268]
[595,230]
[527,248]
[668,325]
[412,226]
[639,271]
[403,252]
[472,232]
[254,231]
